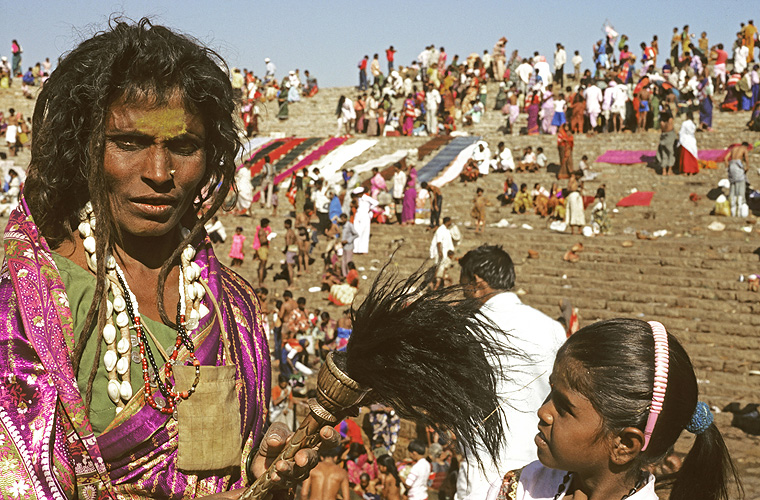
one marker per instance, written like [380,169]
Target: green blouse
[80,289]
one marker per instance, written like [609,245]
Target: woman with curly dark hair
[134,132]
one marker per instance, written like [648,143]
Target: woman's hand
[289,472]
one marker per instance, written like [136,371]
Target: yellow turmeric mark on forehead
[163,123]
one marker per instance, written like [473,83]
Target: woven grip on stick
[337,396]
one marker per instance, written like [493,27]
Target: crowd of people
[622,91]
[100,210]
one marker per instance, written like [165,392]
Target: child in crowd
[528,163]
[275,201]
[541,158]
[442,278]
[584,170]
[622,392]
[559,111]
[236,251]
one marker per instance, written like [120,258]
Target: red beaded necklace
[168,403]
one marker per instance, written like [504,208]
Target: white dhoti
[244,188]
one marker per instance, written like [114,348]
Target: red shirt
[722,56]
[389,54]
[351,430]
[352,278]
[363,64]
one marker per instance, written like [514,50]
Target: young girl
[622,392]
[391,482]
[236,252]
[559,111]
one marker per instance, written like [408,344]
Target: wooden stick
[337,396]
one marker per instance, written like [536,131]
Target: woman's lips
[154,207]
[540,440]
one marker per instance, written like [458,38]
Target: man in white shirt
[577,61]
[560,58]
[503,161]
[417,480]
[424,60]
[271,68]
[399,183]
[482,157]
[321,201]
[442,241]
[488,274]
[544,71]
[524,71]
[432,101]
[593,95]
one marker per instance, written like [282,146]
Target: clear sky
[329,37]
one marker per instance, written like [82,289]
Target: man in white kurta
[362,222]
[442,241]
[244,189]
[482,157]
[488,275]
[593,95]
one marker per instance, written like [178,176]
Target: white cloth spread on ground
[329,166]
[381,162]
[452,172]
[250,147]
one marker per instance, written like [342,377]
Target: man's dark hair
[301,301]
[287,294]
[417,447]
[492,264]
[333,452]
[446,219]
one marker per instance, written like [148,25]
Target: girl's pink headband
[661,359]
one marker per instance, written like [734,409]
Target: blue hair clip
[701,419]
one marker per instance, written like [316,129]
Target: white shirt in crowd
[538,337]
[442,235]
[399,182]
[417,480]
[560,58]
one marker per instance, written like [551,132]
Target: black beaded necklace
[641,481]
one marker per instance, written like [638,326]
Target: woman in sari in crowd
[132,132]
[377,183]
[565,142]
[547,108]
[533,106]
[410,111]
[688,155]
[410,201]
[556,204]
[705,90]
[578,114]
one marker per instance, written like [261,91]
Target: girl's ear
[627,445]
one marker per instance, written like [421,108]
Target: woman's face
[154,159]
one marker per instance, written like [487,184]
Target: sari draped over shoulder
[47,446]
